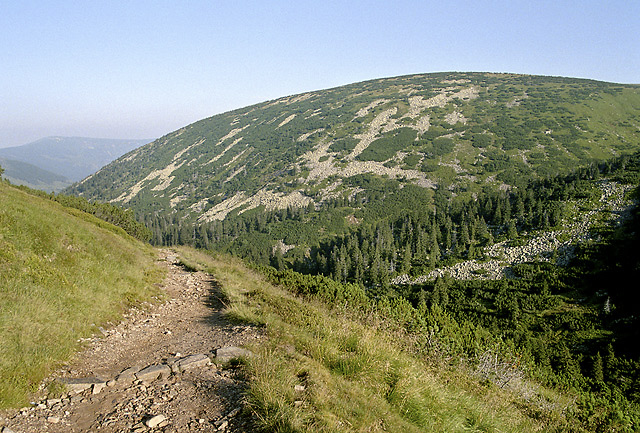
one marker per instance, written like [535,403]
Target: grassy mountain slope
[22,173]
[62,274]
[459,130]
[337,361]
[71,157]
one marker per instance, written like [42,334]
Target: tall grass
[62,274]
[326,369]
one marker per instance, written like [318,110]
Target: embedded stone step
[191,362]
[153,372]
[79,385]
[127,376]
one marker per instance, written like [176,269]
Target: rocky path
[163,368]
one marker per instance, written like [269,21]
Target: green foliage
[443,146]
[327,365]
[345,144]
[386,147]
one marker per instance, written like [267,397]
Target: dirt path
[155,371]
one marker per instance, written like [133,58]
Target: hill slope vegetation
[63,273]
[460,131]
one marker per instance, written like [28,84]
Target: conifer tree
[598,371]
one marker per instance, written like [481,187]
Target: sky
[141,69]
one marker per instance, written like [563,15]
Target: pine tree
[434,251]
[405,265]
[598,370]
[512,231]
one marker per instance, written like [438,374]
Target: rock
[153,372]
[97,387]
[226,354]
[139,428]
[299,388]
[223,425]
[155,421]
[233,413]
[53,419]
[191,362]
[81,384]
[127,376]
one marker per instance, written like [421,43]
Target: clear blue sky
[141,69]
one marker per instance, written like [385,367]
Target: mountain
[22,173]
[461,131]
[72,157]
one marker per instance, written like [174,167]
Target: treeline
[399,228]
[416,242]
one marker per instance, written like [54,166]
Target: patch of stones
[139,396]
[545,247]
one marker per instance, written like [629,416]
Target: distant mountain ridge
[71,157]
[23,173]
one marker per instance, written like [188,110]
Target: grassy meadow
[63,273]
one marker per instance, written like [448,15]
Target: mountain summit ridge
[457,130]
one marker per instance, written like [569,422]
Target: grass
[326,369]
[63,273]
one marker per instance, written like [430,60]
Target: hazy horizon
[144,69]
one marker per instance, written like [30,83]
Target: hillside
[291,174]
[461,131]
[549,349]
[491,217]
[63,273]
[71,157]
[22,173]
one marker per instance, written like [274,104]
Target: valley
[434,252]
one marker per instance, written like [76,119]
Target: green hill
[363,152]
[63,273]
[458,130]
